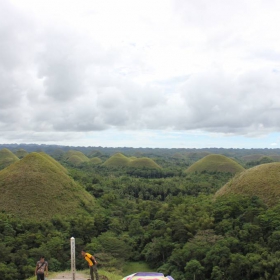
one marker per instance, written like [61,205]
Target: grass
[215,163]
[75,157]
[95,160]
[7,158]
[132,267]
[120,160]
[36,182]
[262,181]
[21,153]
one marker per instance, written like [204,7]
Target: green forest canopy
[166,218]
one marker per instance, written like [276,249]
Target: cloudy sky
[147,73]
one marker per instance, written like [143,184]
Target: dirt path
[68,276]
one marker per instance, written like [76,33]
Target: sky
[140,73]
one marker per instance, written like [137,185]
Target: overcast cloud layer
[122,73]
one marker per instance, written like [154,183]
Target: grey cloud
[219,102]
[62,80]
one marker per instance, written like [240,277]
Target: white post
[73,261]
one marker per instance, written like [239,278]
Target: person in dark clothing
[41,268]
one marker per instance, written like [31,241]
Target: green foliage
[194,270]
[132,267]
[164,218]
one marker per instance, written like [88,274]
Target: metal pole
[73,261]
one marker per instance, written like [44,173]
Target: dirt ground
[68,276]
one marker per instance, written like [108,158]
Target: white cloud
[136,65]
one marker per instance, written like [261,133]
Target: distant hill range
[262,181]
[189,152]
[38,187]
[215,163]
[120,160]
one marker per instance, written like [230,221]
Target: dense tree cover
[171,222]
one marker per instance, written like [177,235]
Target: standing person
[40,268]
[92,264]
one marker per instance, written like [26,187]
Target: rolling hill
[7,158]
[38,187]
[95,160]
[120,160]
[21,153]
[262,181]
[143,162]
[75,157]
[215,163]
[254,157]
[117,160]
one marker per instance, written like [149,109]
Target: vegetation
[216,163]
[21,153]
[120,160]
[95,160]
[164,219]
[75,157]
[38,187]
[7,158]
[262,181]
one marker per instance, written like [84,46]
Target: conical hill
[95,160]
[75,157]
[120,160]
[21,153]
[262,181]
[215,163]
[38,187]
[7,158]
[143,162]
[117,160]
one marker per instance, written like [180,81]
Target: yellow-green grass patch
[262,181]
[215,163]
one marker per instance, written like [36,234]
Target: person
[92,264]
[40,268]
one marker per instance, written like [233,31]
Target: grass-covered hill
[254,157]
[75,157]
[194,156]
[21,153]
[275,157]
[215,163]
[262,181]
[143,162]
[38,187]
[7,158]
[117,160]
[120,160]
[95,160]
[94,153]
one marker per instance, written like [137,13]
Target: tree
[194,270]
